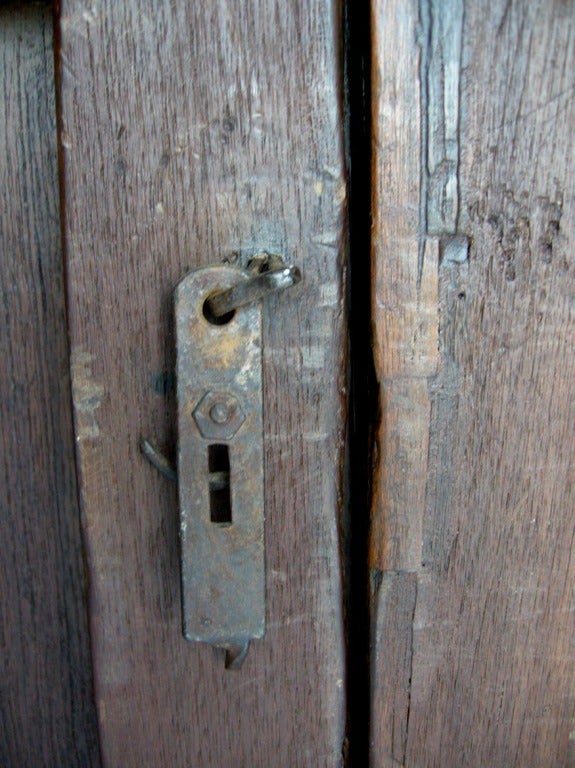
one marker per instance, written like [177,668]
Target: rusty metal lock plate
[220,463]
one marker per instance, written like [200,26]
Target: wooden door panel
[472,535]
[193,133]
[196,133]
[47,714]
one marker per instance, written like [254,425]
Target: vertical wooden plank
[391,667]
[404,290]
[501,594]
[194,133]
[493,640]
[405,313]
[47,714]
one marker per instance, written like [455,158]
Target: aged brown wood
[192,133]
[473,129]
[47,714]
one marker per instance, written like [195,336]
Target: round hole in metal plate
[215,319]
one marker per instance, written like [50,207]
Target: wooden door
[425,361]
[190,134]
[473,517]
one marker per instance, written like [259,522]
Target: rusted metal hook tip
[158,460]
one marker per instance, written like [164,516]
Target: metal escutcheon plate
[220,464]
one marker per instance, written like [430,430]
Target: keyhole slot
[219,484]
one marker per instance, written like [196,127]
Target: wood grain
[492,658]
[405,286]
[391,666]
[47,713]
[193,133]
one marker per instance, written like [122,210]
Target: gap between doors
[363,403]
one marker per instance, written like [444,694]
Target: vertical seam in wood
[86,587]
[424,44]
[411,652]
[459,94]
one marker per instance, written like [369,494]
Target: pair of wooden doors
[173,135]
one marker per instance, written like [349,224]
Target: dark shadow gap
[363,407]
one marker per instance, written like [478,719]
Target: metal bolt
[220,413]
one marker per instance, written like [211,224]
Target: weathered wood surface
[47,713]
[474,515]
[194,132]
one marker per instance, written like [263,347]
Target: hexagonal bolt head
[218,415]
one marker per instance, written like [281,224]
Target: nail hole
[214,319]
[219,484]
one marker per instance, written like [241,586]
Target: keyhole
[219,483]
